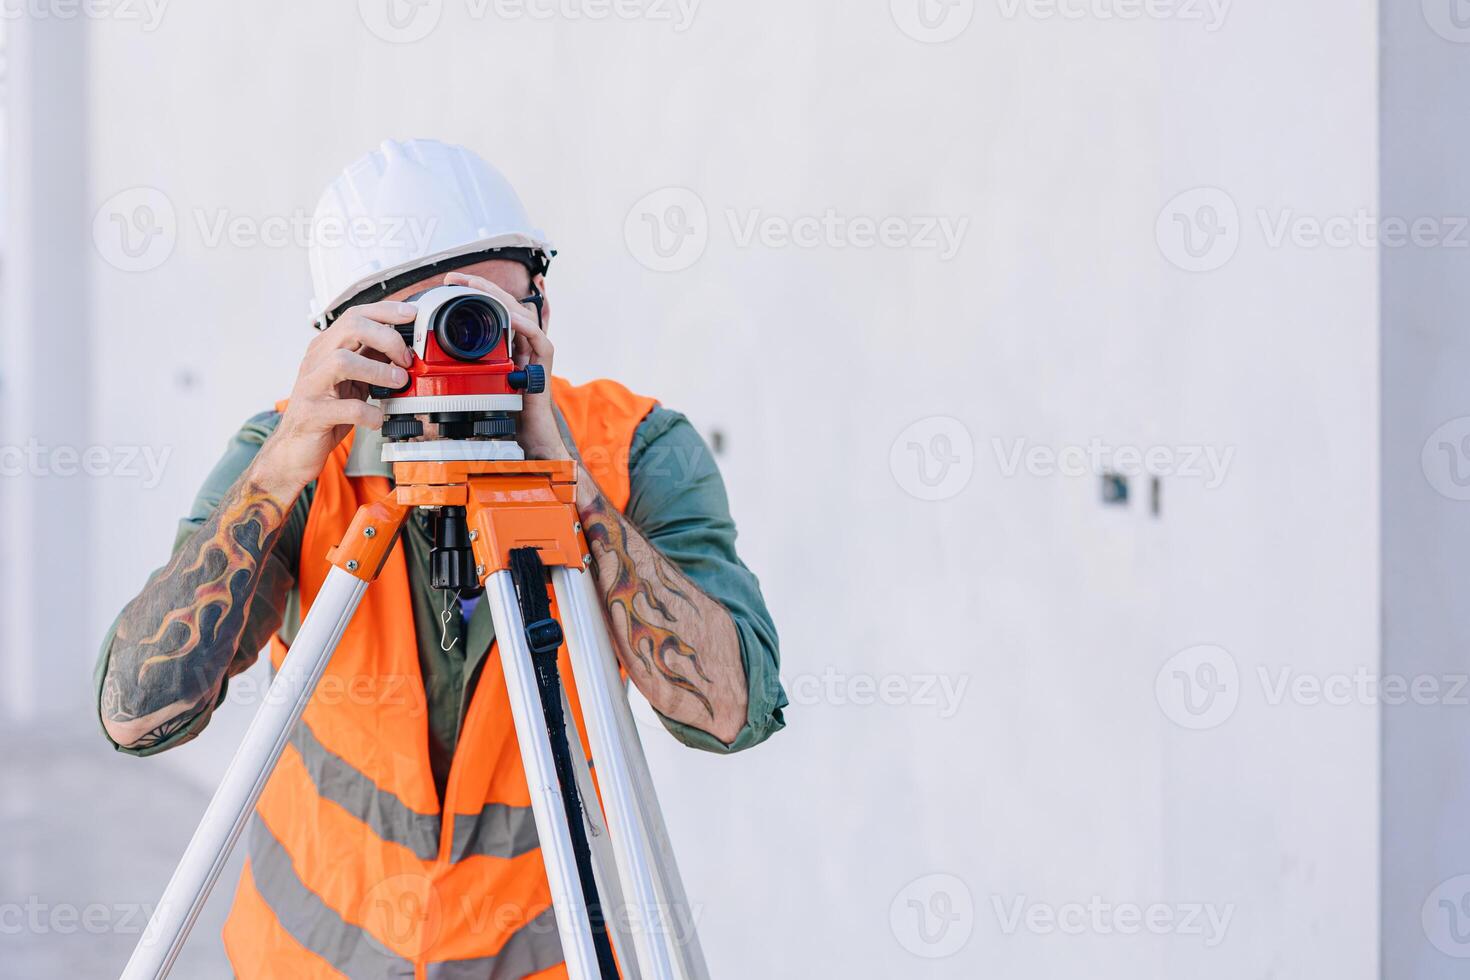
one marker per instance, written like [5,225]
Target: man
[395,837]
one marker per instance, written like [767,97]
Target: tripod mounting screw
[496,427]
[402,427]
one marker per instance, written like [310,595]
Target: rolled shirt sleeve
[679,503]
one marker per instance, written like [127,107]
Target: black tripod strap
[544,636]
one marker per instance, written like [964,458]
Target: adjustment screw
[586,560]
[480,570]
[370,532]
[474,535]
[352,564]
[577,527]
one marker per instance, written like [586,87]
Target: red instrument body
[434,374]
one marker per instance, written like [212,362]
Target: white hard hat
[409,207]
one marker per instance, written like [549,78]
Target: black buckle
[544,635]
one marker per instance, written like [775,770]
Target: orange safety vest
[354,867]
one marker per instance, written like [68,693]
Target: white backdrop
[891,265]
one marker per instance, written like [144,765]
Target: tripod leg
[680,927]
[246,777]
[572,920]
[604,862]
[650,876]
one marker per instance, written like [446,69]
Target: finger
[345,365]
[350,411]
[513,303]
[476,282]
[533,337]
[357,331]
[485,285]
[522,321]
[386,311]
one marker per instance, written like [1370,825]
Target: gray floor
[88,838]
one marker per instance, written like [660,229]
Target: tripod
[519,527]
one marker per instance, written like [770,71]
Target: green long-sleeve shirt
[678,502]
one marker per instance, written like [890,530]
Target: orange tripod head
[483,509]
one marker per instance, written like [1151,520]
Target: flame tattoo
[235,550]
[658,647]
[176,640]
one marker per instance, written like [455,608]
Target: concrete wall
[1426,415]
[48,561]
[994,723]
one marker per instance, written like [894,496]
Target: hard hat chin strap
[536,262]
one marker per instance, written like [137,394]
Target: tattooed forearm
[644,631]
[678,645]
[175,642]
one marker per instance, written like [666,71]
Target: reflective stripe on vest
[356,868]
[533,947]
[497,830]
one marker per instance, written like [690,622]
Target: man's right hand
[331,391]
[165,666]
